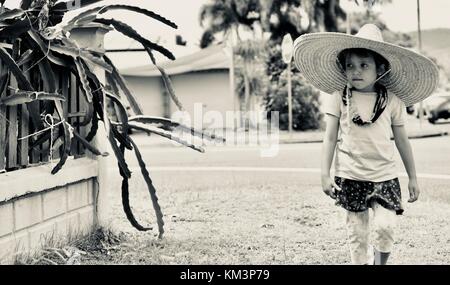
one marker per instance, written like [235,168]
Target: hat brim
[412,78]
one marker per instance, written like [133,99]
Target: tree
[226,17]
[250,66]
[305,103]
[286,16]
[295,17]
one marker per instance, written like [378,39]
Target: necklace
[380,105]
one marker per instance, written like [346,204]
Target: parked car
[436,107]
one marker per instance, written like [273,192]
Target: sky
[400,15]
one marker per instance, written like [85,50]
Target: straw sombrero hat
[412,78]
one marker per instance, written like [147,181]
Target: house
[201,81]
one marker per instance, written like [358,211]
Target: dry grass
[227,218]
[57,250]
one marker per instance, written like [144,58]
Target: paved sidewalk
[414,128]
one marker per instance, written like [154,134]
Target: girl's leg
[384,224]
[381,258]
[357,224]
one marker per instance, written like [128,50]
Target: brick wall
[32,219]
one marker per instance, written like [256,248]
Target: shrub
[305,103]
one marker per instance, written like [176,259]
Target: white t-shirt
[366,153]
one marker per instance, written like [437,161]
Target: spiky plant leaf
[106,8]
[60,30]
[15,29]
[117,78]
[22,82]
[123,117]
[11,14]
[40,140]
[122,138]
[22,97]
[83,79]
[131,33]
[126,200]
[165,134]
[97,114]
[166,79]
[49,80]
[64,128]
[94,128]
[36,41]
[66,133]
[10,63]
[87,145]
[169,124]
[151,189]
[3,82]
[119,155]
[25,57]
[75,52]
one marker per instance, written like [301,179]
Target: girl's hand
[414,191]
[328,185]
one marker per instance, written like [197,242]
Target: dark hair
[379,59]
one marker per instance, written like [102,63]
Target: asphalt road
[432,157]
[294,164]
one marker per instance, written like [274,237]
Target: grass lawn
[242,218]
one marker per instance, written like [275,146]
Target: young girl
[371,83]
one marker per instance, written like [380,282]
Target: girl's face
[361,72]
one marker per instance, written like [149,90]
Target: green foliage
[224,15]
[257,83]
[250,58]
[305,103]
[305,98]
[276,17]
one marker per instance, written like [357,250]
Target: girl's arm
[328,147]
[404,148]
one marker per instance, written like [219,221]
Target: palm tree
[285,16]
[226,17]
[250,57]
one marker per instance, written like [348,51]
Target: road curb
[411,136]
[439,134]
[168,143]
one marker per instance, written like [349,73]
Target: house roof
[210,58]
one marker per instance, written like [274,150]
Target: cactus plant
[45,44]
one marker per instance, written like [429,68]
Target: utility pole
[287,49]
[289,86]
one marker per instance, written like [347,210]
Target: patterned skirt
[357,196]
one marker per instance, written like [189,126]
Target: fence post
[92,36]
